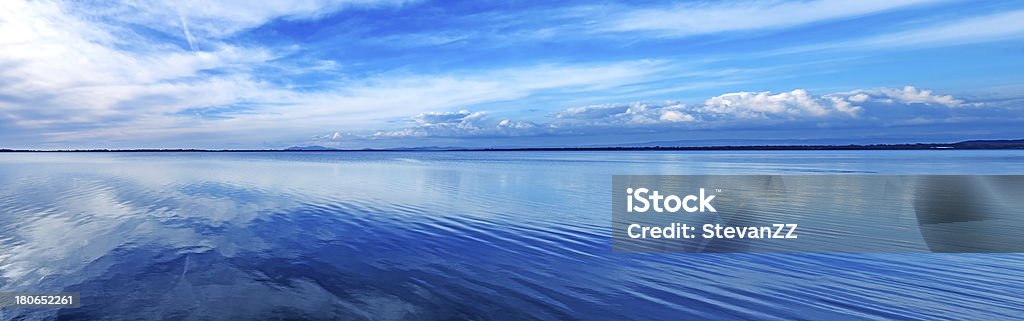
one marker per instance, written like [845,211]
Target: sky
[392,73]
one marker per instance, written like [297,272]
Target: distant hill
[970,144]
[428,148]
[990,144]
[308,148]
[755,142]
[322,148]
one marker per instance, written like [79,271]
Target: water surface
[444,235]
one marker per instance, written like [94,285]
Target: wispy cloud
[972,30]
[115,93]
[1001,26]
[693,18]
[188,34]
[230,74]
[222,19]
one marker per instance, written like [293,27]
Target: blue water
[444,235]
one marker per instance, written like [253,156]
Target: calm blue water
[444,235]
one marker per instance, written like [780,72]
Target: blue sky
[367,73]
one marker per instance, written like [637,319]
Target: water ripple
[442,236]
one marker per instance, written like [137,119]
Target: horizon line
[969,145]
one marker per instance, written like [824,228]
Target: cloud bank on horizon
[390,73]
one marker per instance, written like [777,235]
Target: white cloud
[627,114]
[795,104]
[434,118]
[60,64]
[691,18]
[515,125]
[675,116]
[594,112]
[880,106]
[911,95]
[459,124]
[858,98]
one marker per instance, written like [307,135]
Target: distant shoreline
[964,145]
